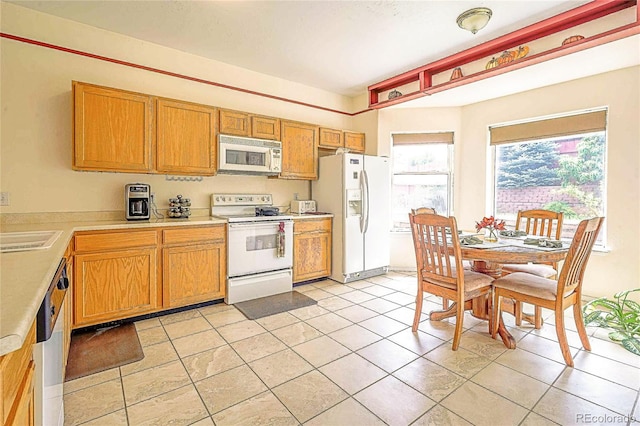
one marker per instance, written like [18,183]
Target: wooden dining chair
[551,294]
[424,210]
[543,223]
[441,274]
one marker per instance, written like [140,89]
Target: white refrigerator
[356,189]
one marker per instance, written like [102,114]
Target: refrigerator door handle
[365,201]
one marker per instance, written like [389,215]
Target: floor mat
[102,349]
[271,305]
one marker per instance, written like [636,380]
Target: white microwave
[242,155]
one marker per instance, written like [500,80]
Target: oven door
[252,247]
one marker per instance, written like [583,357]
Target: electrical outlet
[4,198]
[295,196]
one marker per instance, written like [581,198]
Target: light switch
[4,198]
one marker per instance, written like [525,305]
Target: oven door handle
[258,225]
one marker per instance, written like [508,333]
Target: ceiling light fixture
[474,19]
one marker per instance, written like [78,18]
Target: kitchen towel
[271,305]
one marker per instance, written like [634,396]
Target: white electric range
[259,246]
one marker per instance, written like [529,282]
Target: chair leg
[445,304]
[582,331]
[538,317]
[517,312]
[458,331]
[416,317]
[562,338]
[495,313]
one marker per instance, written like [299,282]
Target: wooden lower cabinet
[311,249]
[115,285]
[16,384]
[193,274]
[123,274]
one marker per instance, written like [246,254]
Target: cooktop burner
[246,208]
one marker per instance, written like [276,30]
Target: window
[422,175]
[556,164]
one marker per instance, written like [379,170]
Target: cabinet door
[311,249]
[330,138]
[354,141]
[234,123]
[265,127]
[193,274]
[299,150]
[186,138]
[112,129]
[114,285]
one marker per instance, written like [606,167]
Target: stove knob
[217,199]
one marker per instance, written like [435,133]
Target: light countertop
[308,216]
[25,276]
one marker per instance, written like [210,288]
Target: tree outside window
[564,175]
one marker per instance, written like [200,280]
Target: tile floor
[353,360]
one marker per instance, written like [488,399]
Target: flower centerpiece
[492,225]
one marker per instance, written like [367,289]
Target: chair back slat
[434,247]
[575,263]
[540,222]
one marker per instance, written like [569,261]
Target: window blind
[420,138]
[550,128]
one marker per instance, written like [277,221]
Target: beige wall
[35,145]
[608,272]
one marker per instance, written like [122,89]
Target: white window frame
[449,176]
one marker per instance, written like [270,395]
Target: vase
[491,235]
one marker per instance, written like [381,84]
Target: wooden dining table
[488,259]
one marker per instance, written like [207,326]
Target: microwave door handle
[269,159]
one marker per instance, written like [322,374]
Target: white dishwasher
[48,352]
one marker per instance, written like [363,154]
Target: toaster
[303,206]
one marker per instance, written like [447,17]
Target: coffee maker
[136,201]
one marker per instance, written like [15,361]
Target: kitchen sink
[23,241]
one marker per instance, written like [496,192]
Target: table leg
[507,338]
[494,270]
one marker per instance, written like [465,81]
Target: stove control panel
[231,200]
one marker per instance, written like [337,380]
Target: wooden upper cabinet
[299,150]
[112,129]
[354,141]
[330,138]
[234,123]
[185,138]
[244,124]
[265,127]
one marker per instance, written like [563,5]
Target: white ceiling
[339,46]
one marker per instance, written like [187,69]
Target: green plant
[561,207]
[620,315]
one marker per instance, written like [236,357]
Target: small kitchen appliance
[249,156]
[137,198]
[303,206]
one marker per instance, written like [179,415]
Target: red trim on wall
[172,74]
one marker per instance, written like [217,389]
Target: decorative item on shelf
[491,225]
[179,208]
[394,94]
[474,19]
[457,73]
[508,56]
[572,39]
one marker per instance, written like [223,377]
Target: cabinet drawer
[320,225]
[192,235]
[115,240]
[13,367]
